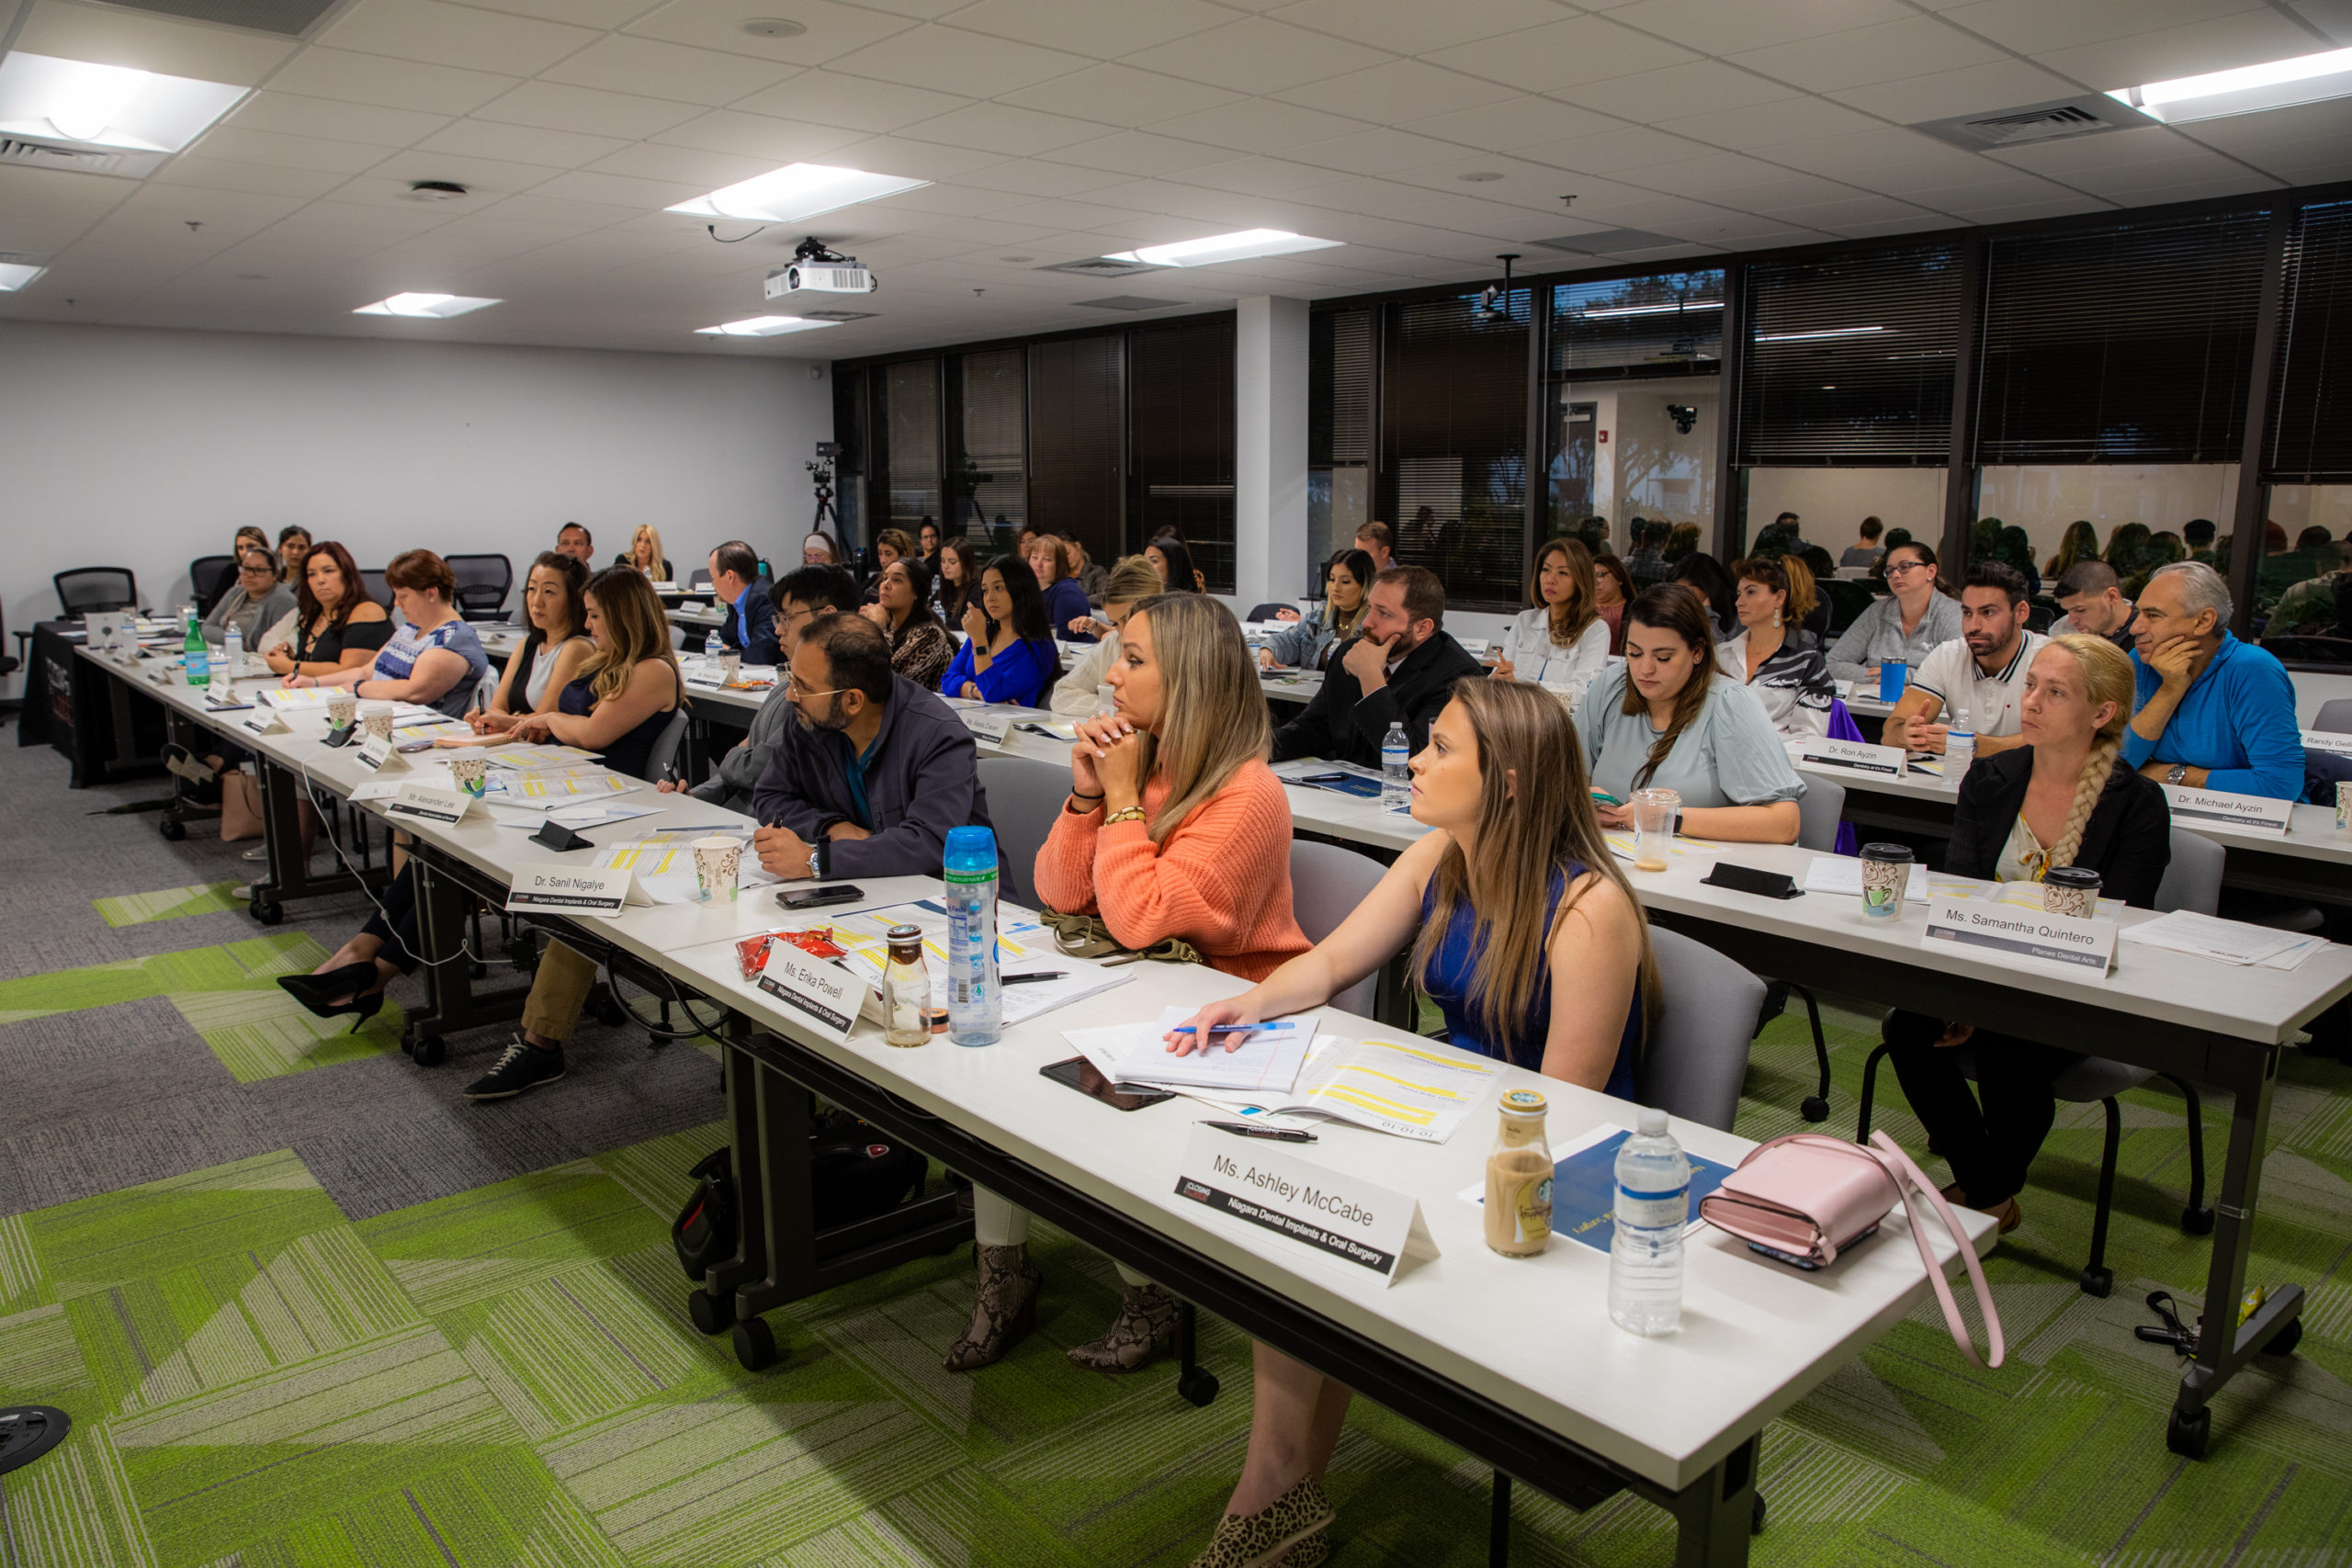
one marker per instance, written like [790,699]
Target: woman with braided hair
[2061,798]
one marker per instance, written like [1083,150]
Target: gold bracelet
[1125,813]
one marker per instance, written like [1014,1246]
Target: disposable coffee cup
[1886,876]
[716,860]
[470,774]
[376,719]
[2344,806]
[2070,890]
[343,709]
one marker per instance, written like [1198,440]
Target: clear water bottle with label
[1396,769]
[975,1006]
[218,666]
[195,664]
[1645,1247]
[1959,746]
[233,650]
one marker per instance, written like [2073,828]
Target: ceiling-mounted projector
[816,270]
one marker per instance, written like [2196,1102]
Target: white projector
[820,277]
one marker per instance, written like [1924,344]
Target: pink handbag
[1807,1195]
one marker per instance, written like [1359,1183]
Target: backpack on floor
[855,1171]
[704,1232]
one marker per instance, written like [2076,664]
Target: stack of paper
[663,864]
[544,792]
[2225,941]
[527,756]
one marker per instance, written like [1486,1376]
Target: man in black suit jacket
[1402,666]
[749,627]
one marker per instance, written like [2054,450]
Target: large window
[1849,359]
[2140,513]
[1453,442]
[1181,434]
[2311,438]
[1340,377]
[1077,448]
[1635,402]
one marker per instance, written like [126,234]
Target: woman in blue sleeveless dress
[1533,946]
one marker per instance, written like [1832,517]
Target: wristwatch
[821,859]
[2176,772]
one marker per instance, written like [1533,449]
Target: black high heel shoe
[317,991]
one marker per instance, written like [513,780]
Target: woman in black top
[2062,798]
[336,625]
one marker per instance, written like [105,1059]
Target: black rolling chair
[483,582]
[208,578]
[94,590]
[1272,611]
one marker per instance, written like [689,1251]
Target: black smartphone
[800,898]
[1080,1074]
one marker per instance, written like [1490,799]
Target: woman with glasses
[257,601]
[1903,627]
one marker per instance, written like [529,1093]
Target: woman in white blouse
[1561,642]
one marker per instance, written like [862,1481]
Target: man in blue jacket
[750,628]
[2214,712]
[873,772]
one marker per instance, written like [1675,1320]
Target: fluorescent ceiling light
[1828,332]
[108,106]
[435,306]
[16,275]
[1246,245]
[765,326]
[1657,309]
[2306,79]
[795,191]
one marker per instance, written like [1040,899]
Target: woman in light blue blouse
[1666,718]
[1308,645]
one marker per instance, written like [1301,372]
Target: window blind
[908,418]
[2126,344]
[989,477]
[2309,438]
[1077,451]
[1453,442]
[1670,323]
[1180,440]
[1849,358]
[1339,428]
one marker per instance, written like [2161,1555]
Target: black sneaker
[524,1067]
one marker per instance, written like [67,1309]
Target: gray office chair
[1326,885]
[1023,793]
[1697,1052]
[664,754]
[2334,716]
[1820,811]
[2192,881]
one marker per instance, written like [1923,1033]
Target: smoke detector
[434,190]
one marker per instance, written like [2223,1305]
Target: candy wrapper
[751,952]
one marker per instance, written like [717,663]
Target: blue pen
[1235,1028]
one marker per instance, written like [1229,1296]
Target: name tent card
[822,995]
[2024,939]
[2330,741]
[433,804]
[1853,757]
[377,755]
[572,890]
[1331,1215]
[262,719]
[991,727]
[2203,808]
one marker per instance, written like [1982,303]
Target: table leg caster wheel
[608,1009]
[268,911]
[754,1344]
[710,1313]
[1756,1516]
[1815,1109]
[478,970]
[2197,1222]
[2283,1343]
[431,1051]
[2184,1435]
[1199,1386]
[173,832]
[2099,1282]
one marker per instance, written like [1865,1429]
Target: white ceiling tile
[437,34]
[52,192]
[1874,157]
[1260,125]
[541,208]
[618,190]
[287,115]
[1969,89]
[1886,228]
[1415,27]
[821,97]
[1881,53]
[1135,153]
[1102,28]
[1376,151]
[520,143]
[250,146]
[949,61]
[2151,147]
[1256,55]
[1024,176]
[1403,88]
[258,179]
[477,175]
[551,106]
[774,142]
[915,160]
[585,13]
[1614,151]
[147,42]
[2063,206]
[1258,176]
[944,201]
[1069,216]
[349,77]
[834,29]
[1761,126]
[1537,187]
[1120,95]
[1854,208]
[2036,27]
[1723,26]
[1650,96]
[1710,176]
[1558,56]
[1523,120]
[704,171]
[662,70]
[1001,127]
[2221,45]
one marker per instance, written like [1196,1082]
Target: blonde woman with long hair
[2062,798]
[1080,694]
[1174,826]
[1560,639]
[645,553]
[1532,944]
[621,697]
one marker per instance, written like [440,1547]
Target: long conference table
[1680,1432]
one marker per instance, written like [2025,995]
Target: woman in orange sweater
[1175,827]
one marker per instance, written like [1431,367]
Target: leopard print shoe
[1262,1539]
[1309,1552]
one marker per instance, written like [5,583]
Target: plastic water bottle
[975,1006]
[233,650]
[1645,1247]
[1396,769]
[1960,747]
[195,664]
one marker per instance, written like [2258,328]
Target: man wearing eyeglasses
[803,598]
[872,774]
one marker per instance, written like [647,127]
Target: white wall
[144,449]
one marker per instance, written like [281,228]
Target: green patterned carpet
[507,1376]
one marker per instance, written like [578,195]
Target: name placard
[570,890]
[261,719]
[2203,808]
[429,803]
[822,995]
[2026,939]
[1333,1216]
[377,754]
[992,727]
[1852,757]
[2329,740]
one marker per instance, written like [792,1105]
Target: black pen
[1282,1134]
[1032,979]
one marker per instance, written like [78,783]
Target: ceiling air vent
[28,153]
[1101,266]
[1127,303]
[287,19]
[2086,116]
[1610,241]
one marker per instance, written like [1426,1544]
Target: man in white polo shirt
[1981,671]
